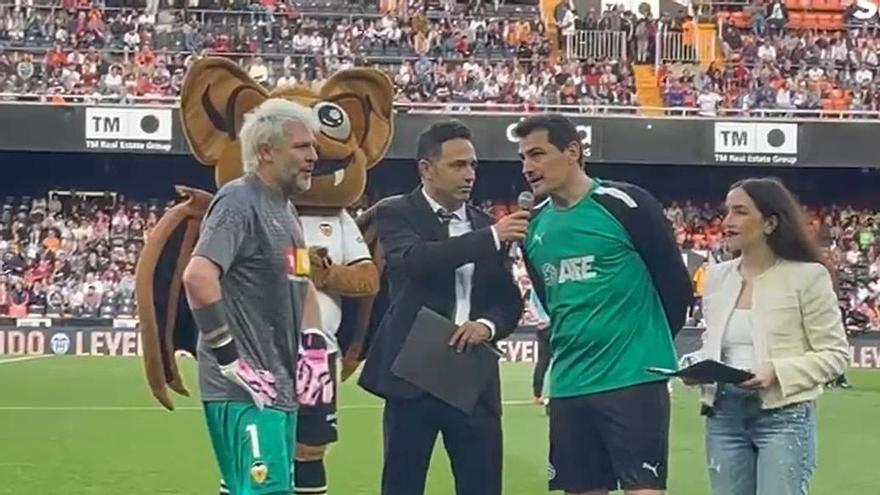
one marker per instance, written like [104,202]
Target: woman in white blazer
[772,310]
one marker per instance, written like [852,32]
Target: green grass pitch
[77,426]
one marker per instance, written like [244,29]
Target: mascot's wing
[361,316]
[166,323]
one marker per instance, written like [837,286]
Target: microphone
[525,201]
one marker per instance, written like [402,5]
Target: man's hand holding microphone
[512,228]
[511,231]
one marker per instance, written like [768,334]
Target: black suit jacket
[421,260]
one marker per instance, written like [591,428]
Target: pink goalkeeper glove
[314,385]
[260,384]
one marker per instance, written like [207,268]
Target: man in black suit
[447,256]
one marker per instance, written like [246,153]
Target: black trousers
[473,443]
[543,362]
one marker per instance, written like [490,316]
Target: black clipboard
[708,371]
[427,361]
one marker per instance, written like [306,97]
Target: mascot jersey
[341,237]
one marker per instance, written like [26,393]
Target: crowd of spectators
[793,70]
[774,64]
[850,237]
[468,53]
[68,255]
[71,256]
[469,56]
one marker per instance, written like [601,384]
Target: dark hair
[561,131]
[790,240]
[432,138]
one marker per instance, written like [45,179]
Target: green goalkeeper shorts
[255,449]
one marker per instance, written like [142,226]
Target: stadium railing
[677,46]
[481,108]
[596,45]
[374,54]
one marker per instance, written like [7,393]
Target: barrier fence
[599,45]
[684,47]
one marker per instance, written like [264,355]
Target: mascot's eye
[334,121]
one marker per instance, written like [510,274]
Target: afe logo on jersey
[326,229]
[575,269]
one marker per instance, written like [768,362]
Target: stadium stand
[813,57]
[793,55]
[73,254]
[118,55]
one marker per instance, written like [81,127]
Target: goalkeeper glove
[260,384]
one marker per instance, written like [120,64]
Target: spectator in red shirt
[56,57]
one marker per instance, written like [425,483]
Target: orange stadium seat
[739,19]
[827,105]
[835,5]
[811,21]
[837,21]
[795,20]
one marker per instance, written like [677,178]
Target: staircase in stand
[648,90]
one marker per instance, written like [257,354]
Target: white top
[459,225]
[737,347]
[345,245]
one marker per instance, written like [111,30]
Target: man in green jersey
[605,265]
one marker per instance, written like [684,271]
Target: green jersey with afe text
[607,320]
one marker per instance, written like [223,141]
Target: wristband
[211,320]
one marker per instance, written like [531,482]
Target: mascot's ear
[367,97]
[215,96]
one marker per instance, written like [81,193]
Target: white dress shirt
[460,225]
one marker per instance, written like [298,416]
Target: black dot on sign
[149,124]
[776,138]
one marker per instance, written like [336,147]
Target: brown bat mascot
[354,107]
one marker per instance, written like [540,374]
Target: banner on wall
[522,347]
[70,341]
[611,139]
[519,347]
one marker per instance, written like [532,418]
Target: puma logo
[653,469]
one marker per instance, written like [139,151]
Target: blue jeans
[750,451]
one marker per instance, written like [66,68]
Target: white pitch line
[181,408]
[24,358]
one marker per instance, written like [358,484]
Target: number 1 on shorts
[255,440]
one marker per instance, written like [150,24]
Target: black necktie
[444,216]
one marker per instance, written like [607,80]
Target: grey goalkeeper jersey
[253,234]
